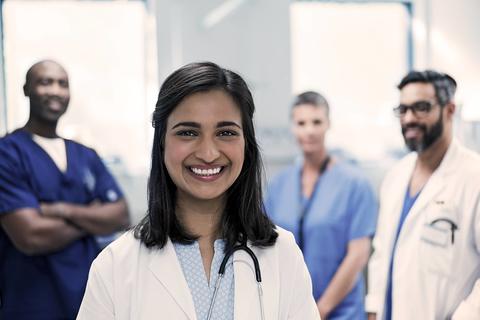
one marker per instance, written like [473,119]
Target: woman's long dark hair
[244,217]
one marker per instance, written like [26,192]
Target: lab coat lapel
[245,284]
[397,193]
[247,305]
[166,268]
[435,184]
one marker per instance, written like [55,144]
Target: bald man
[55,196]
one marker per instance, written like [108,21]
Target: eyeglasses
[419,109]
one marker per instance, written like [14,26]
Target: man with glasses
[426,257]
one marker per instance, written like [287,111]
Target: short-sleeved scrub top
[343,208]
[51,286]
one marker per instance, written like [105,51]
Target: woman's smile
[206,173]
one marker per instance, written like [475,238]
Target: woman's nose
[309,129]
[207,150]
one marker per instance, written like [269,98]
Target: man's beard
[429,135]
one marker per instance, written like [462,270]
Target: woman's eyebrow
[197,125]
[228,124]
[187,124]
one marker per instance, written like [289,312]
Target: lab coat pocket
[436,249]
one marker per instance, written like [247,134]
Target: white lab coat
[129,281]
[431,276]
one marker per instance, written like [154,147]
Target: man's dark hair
[312,98]
[244,217]
[445,86]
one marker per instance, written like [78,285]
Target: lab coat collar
[448,164]
[166,268]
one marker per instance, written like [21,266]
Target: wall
[253,40]
[447,38]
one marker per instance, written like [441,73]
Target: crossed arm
[96,218]
[55,226]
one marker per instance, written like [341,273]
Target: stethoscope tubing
[221,273]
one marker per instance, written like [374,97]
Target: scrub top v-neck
[55,148]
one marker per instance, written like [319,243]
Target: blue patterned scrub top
[202,291]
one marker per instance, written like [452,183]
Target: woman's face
[204,145]
[310,123]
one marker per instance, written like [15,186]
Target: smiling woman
[206,249]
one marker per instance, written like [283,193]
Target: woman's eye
[227,133]
[317,122]
[186,133]
[300,123]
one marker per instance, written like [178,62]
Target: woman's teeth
[206,172]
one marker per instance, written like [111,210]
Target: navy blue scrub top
[47,286]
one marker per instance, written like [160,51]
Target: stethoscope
[221,273]
[453,226]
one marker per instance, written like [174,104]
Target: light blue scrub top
[343,208]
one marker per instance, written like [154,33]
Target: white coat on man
[130,281]
[435,268]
